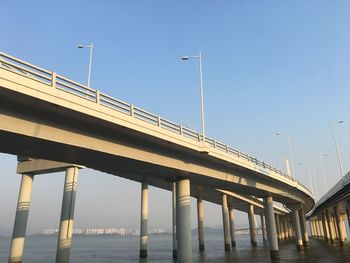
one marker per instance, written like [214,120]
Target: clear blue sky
[268,66]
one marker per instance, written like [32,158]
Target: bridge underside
[45,130]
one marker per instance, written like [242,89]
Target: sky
[268,66]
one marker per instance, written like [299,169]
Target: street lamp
[310,178]
[323,173]
[337,148]
[290,150]
[199,56]
[91,47]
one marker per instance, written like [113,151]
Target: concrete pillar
[232,227]
[251,220]
[286,229]
[225,223]
[304,232]
[339,225]
[200,215]
[297,229]
[321,227]
[277,219]
[67,214]
[174,220]
[144,220]
[326,227]
[311,228]
[283,233]
[334,221]
[271,228]
[263,227]
[347,204]
[21,218]
[330,226]
[344,230]
[183,221]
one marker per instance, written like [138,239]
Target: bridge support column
[348,211]
[321,227]
[174,220]
[144,220]
[286,228]
[232,226]
[21,218]
[200,215]
[67,214]
[339,225]
[263,227]
[325,227]
[283,233]
[271,228]
[225,222]
[251,220]
[277,219]
[297,229]
[330,226]
[304,232]
[183,221]
[312,232]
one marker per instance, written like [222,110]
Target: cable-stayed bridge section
[47,116]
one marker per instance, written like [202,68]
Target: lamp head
[185,58]
[80,46]
[340,121]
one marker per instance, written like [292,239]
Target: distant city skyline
[285,70]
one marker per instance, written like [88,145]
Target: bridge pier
[283,233]
[251,220]
[286,229]
[304,232]
[200,215]
[325,227]
[144,220]
[174,220]
[271,228]
[297,229]
[225,223]
[263,227]
[339,225]
[21,219]
[183,221]
[277,219]
[232,226]
[330,226]
[67,213]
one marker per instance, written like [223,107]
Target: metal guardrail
[336,188]
[62,83]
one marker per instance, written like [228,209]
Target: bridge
[331,211]
[46,116]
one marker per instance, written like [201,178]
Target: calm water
[107,249]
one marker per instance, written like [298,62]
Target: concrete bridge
[46,116]
[330,212]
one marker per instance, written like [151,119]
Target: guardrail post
[158,120]
[131,110]
[226,148]
[97,96]
[181,130]
[53,79]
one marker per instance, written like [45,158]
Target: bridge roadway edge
[68,154]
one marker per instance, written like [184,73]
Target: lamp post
[90,60]
[337,148]
[323,173]
[199,56]
[310,178]
[290,150]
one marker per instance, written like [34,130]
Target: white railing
[62,83]
[335,189]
